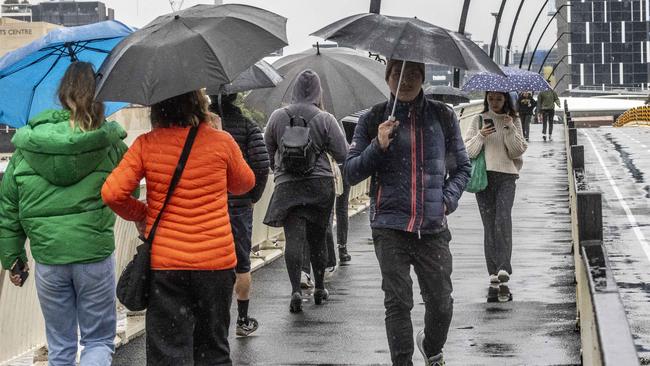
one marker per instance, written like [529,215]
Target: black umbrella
[187,50]
[259,76]
[447,94]
[409,39]
[350,81]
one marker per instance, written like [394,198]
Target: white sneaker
[503,276]
[329,273]
[494,278]
[305,280]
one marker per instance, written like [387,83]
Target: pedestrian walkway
[535,328]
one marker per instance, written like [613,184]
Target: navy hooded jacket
[421,171]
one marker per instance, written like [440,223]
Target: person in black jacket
[418,168]
[250,139]
[526,105]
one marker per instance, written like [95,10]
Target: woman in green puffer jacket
[50,193]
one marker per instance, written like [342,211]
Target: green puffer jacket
[51,192]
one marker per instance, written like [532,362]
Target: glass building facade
[609,47]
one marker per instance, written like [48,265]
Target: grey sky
[306,16]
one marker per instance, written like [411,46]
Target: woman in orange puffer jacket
[193,254]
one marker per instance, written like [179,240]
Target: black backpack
[298,152]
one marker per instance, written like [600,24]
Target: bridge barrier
[21,323]
[605,334]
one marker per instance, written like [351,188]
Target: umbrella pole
[399,83]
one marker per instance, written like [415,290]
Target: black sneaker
[344,256]
[544,137]
[245,328]
[320,294]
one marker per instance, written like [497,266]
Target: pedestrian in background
[248,136]
[193,253]
[498,131]
[419,169]
[50,194]
[527,106]
[546,102]
[303,198]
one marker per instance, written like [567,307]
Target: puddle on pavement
[627,160]
[498,293]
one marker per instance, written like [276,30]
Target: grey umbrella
[187,50]
[259,76]
[409,39]
[447,94]
[350,81]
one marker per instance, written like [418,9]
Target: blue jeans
[80,295]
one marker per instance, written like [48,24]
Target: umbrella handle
[399,83]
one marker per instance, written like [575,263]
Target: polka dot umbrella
[515,80]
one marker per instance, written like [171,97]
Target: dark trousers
[341,210]
[525,124]
[188,318]
[547,119]
[495,204]
[300,233]
[431,259]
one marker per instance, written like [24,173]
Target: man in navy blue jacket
[419,169]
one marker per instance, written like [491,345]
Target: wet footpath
[530,322]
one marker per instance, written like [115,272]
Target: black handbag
[134,283]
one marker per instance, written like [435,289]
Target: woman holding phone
[497,130]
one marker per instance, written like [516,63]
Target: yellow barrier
[637,116]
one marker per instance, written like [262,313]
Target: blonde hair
[76,94]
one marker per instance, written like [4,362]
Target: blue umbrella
[30,76]
[515,80]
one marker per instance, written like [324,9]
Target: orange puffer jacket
[194,232]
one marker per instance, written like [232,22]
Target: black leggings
[299,232]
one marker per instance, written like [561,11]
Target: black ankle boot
[296,302]
[343,253]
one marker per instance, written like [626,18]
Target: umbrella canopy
[201,46]
[259,76]
[515,80]
[30,76]
[350,81]
[408,39]
[447,94]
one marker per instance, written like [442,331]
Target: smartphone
[18,268]
[488,122]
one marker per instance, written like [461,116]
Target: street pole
[495,33]
[512,32]
[461,30]
[551,50]
[375,6]
[532,56]
[556,65]
[530,31]
[558,81]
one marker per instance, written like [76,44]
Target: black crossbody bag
[134,283]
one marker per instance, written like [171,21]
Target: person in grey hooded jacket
[302,203]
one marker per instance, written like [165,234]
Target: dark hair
[187,109]
[77,93]
[507,106]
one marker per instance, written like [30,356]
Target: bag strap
[175,179]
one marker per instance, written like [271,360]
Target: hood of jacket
[61,154]
[307,88]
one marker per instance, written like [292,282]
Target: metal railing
[605,334]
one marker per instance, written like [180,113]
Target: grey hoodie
[324,129]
